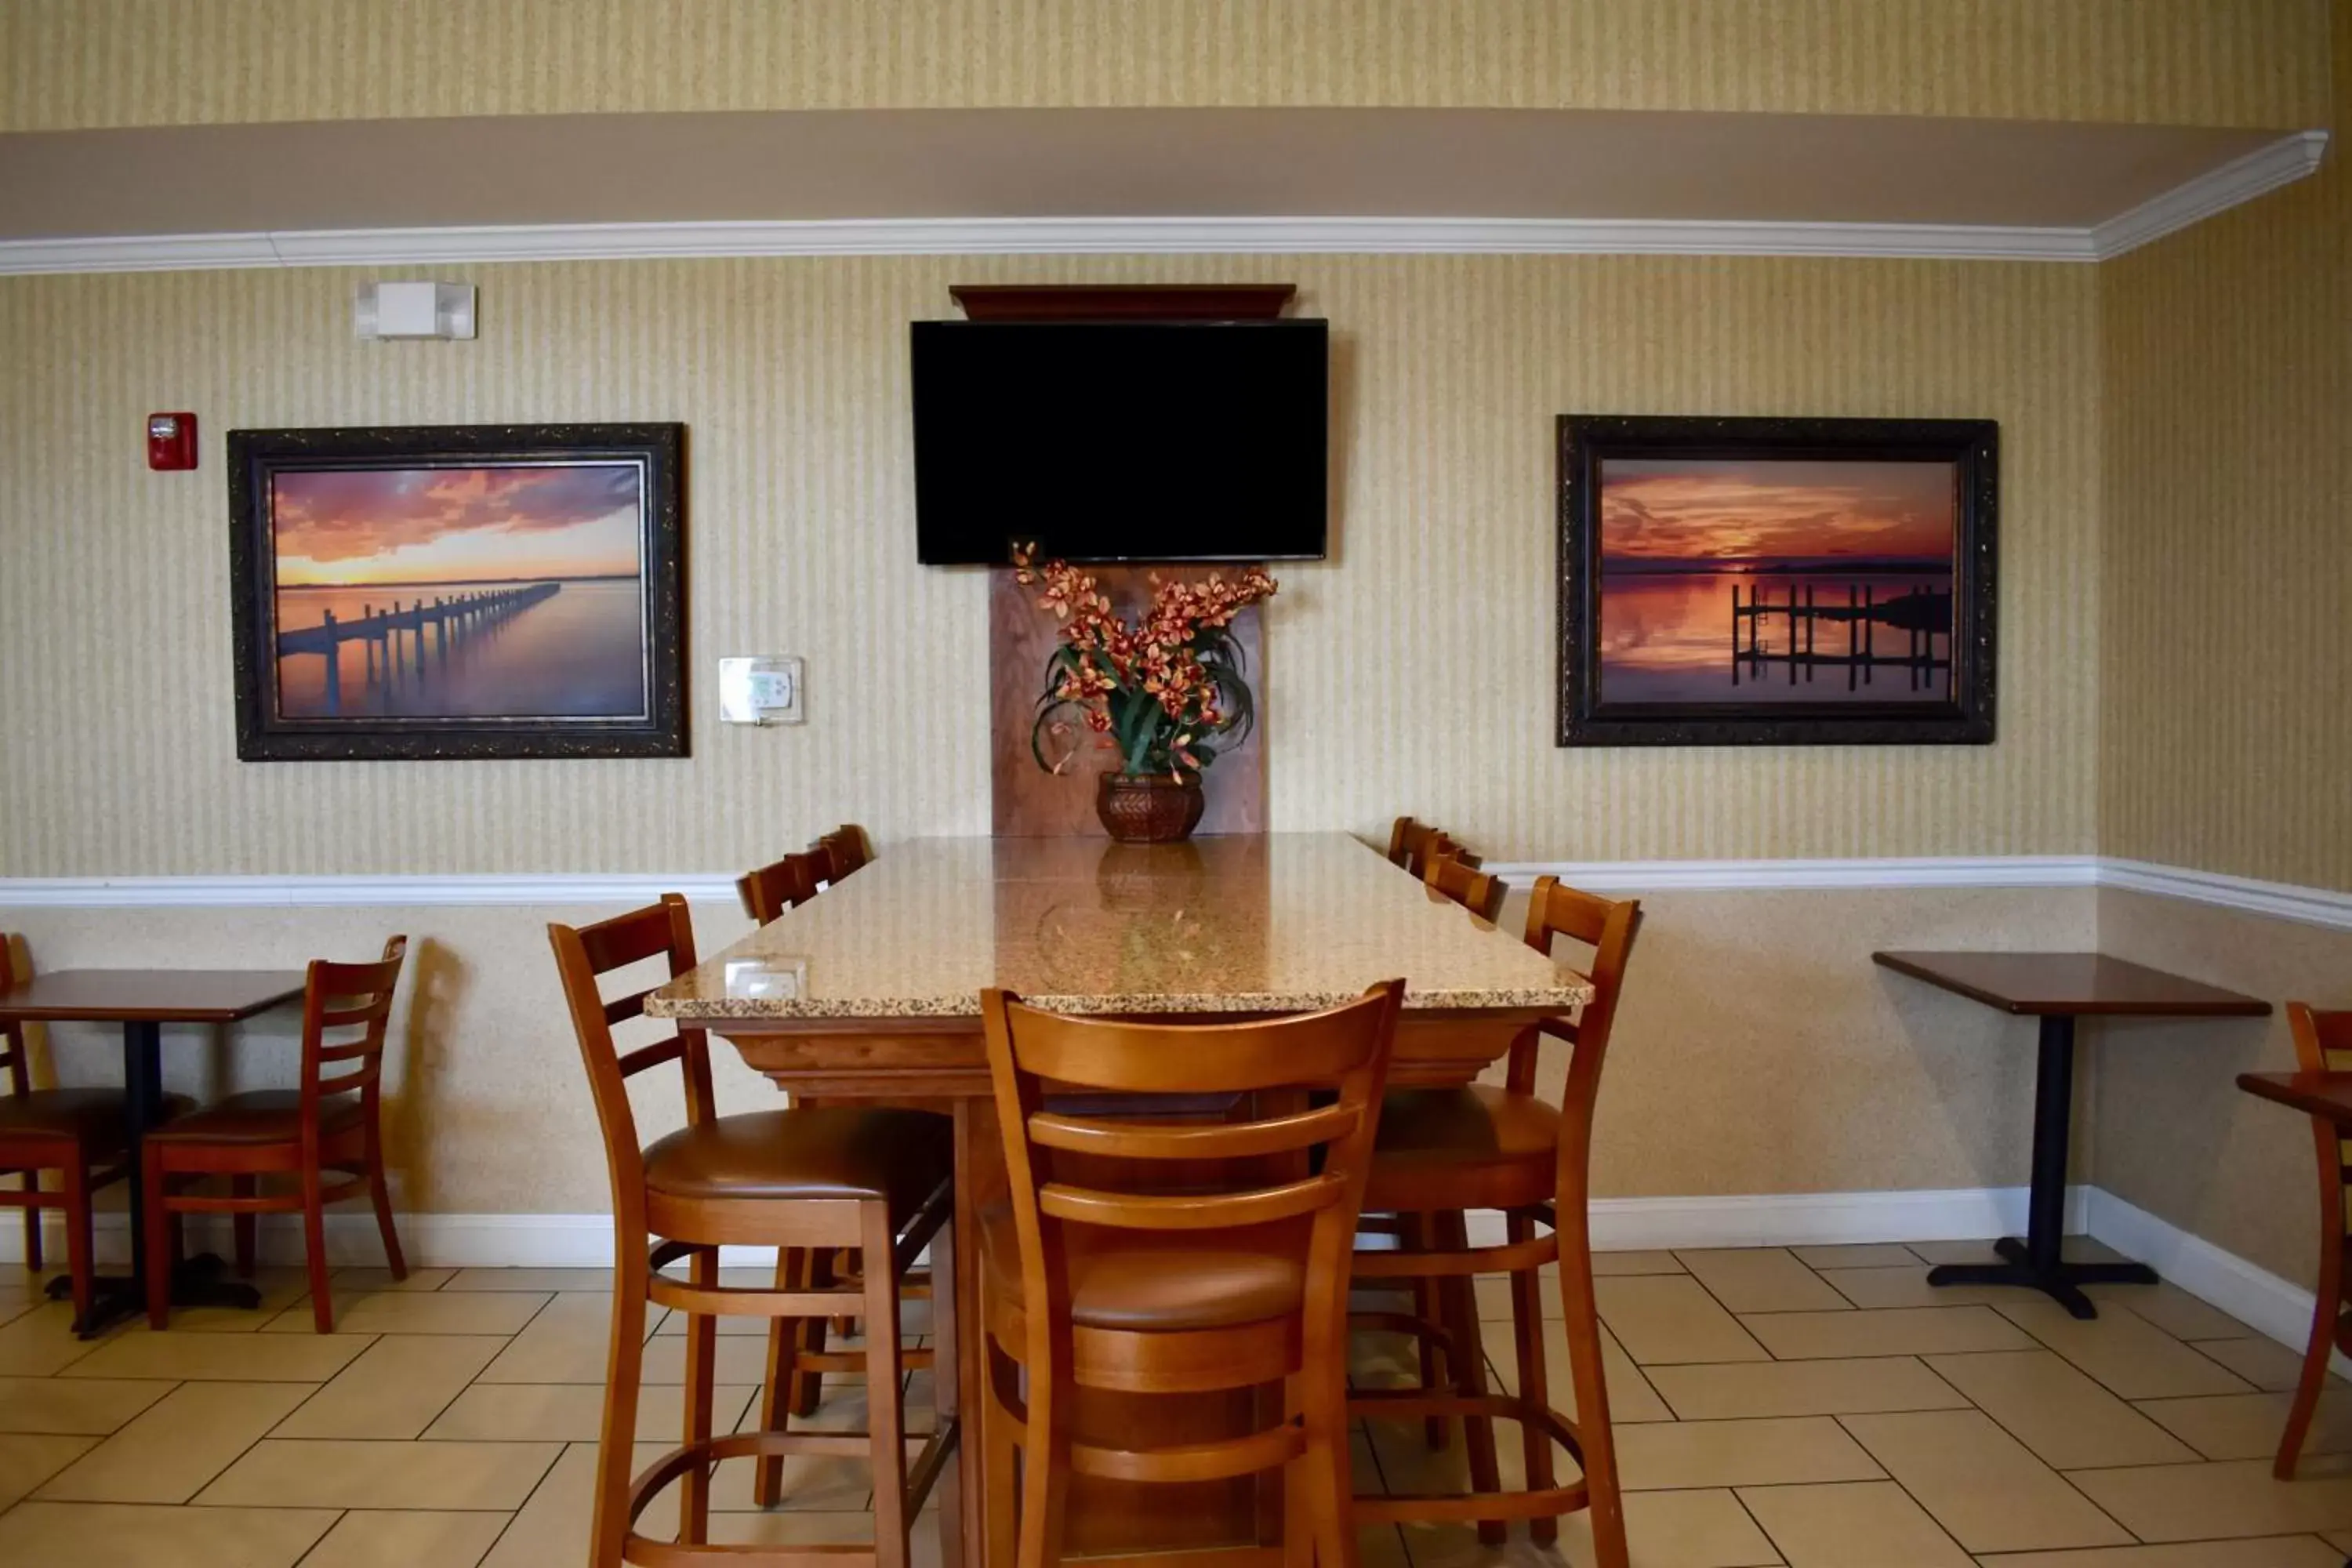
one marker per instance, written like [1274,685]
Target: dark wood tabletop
[2321,1094]
[149,995]
[2072,984]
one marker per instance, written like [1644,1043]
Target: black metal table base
[2035,1262]
[196,1282]
[2060,1280]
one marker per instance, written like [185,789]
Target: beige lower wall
[2174,1133]
[1758,1050]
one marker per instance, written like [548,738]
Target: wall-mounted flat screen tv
[1120,441]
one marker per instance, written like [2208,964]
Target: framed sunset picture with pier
[1776,582]
[458,591]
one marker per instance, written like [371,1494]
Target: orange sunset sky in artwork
[1735,511]
[484,523]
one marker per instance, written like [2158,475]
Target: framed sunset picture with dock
[458,591]
[1776,582]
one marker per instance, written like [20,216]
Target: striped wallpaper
[83,64]
[1414,671]
[2226,739]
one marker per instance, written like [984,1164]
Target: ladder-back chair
[792,1180]
[2323,1043]
[769,890]
[80,1133]
[1443,1152]
[1480,892]
[1094,1277]
[332,1123]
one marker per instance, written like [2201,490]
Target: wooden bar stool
[333,1122]
[80,1133]
[769,890]
[846,849]
[1442,1152]
[1411,843]
[1090,1279]
[1449,875]
[2323,1043]
[797,1379]
[793,1180]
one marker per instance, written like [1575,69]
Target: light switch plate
[762,690]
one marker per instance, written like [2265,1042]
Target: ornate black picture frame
[1729,582]
[458,591]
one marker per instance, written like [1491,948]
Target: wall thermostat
[766,690]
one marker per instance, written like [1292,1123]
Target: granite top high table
[872,992]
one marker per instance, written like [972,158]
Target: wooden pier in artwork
[1920,616]
[394,636]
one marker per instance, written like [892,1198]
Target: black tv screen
[1120,441]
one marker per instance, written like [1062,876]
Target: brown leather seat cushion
[93,1117]
[258,1116]
[1478,1146]
[833,1151]
[1160,1281]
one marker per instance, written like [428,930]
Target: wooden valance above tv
[1122,301]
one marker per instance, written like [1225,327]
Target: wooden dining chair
[333,1122]
[2323,1043]
[1092,1278]
[1480,892]
[80,1133]
[1410,844]
[1445,1151]
[786,884]
[794,1180]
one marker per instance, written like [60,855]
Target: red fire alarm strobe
[171,440]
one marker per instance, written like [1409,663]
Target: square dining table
[871,992]
[142,1000]
[2057,988]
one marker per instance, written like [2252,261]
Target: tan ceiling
[1086,162]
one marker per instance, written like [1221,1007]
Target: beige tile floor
[1813,1406]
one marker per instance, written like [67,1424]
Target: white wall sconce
[413,311]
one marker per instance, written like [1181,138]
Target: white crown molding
[2260,171]
[2266,169]
[1041,236]
[138,253]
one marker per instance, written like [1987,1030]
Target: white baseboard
[2254,1296]
[1619,1225]
[428,1240]
[1801,1219]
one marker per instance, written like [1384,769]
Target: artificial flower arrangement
[1167,693]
